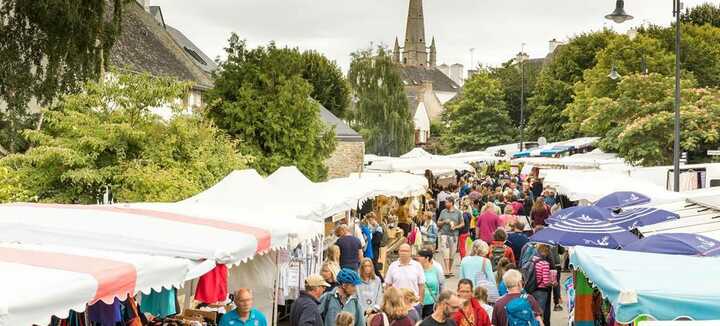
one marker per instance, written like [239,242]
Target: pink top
[487,223]
[507,219]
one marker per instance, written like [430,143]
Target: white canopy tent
[37,282]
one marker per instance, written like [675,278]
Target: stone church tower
[415,52]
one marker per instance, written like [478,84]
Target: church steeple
[433,54]
[415,53]
[396,51]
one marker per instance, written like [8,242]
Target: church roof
[343,132]
[417,75]
[145,46]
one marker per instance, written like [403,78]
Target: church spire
[433,54]
[396,51]
[415,53]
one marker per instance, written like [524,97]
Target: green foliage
[699,50]
[47,48]
[11,189]
[637,122]
[107,135]
[510,76]
[554,87]
[261,99]
[706,13]
[329,85]
[381,114]
[479,117]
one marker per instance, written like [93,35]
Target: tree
[261,99]
[479,117]
[329,85]
[554,88]
[47,48]
[381,114]
[644,54]
[107,135]
[638,122]
[706,13]
[510,76]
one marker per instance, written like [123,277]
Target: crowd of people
[504,279]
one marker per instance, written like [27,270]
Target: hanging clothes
[73,319]
[131,313]
[159,304]
[213,286]
[103,314]
[583,300]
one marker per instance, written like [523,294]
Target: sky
[496,30]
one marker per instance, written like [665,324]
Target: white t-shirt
[409,276]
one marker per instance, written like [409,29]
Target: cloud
[495,29]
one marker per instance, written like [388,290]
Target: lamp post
[521,58]
[619,16]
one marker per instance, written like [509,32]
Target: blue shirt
[232,318]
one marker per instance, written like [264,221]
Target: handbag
[482,279]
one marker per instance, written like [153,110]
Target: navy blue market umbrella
[632,218]
[622,199]
[593,212]
[584,231]
[677,244]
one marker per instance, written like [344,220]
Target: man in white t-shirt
[406,273]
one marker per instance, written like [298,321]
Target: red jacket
[480,316]
[508,251]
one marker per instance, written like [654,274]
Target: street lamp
[521,58]
[620,16]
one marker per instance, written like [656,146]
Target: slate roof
[145,46]
[198,57]
[416,76]
[343,132]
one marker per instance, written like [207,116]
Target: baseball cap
[316,280]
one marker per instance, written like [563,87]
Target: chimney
[554,43]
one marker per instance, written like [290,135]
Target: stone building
[428,89]
[350,150]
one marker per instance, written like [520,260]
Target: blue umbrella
[593,212]
[584,231]
[677,244]
[636,217]
[622,199]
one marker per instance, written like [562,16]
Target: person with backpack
[517,239]
[342,298]
[499,250]
[545,279]
[516,308]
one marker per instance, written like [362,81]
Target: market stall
[659,286]
[37,282]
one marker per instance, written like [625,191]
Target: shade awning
[43,281]
[665,287]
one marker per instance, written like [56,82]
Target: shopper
[394,312]
[471,313]
[487,223]
[351,248]
[370,291]
[517,239]
[478,268]
[433,284]
[412,303]
[406,273]
[244,314]
[540,212]
[345,319]
[305,310]
[481,295]
[515,307]
[429,231]
[448,302]
[327,271]
[498,249]
[342,298]
[449,222]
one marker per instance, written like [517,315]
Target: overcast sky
[495,29]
